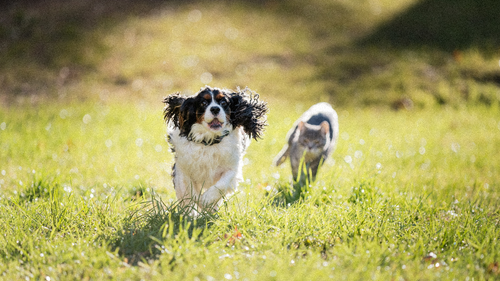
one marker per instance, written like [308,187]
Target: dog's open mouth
[215,124]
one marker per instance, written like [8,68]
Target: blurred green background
[399,54]
[81,82]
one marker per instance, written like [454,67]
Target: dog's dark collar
[215,140]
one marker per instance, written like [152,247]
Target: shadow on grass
[287,194]
[54,34]
[52,43]
[446,25]
[52,210]
[152,222]
[57,33]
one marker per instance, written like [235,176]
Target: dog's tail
[282,155]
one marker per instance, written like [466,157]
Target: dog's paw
[210,198]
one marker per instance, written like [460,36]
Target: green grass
[417,183]
[412,191]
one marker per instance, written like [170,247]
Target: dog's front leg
[213,194]
[187,192]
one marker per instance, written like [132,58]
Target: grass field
[412,191]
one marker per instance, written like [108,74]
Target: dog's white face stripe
[209,116]
[208,130]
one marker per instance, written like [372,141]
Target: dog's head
[212,112]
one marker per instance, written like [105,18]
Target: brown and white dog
[209,133]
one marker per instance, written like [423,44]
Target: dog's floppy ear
[179,110]
[171,112]
[249,112]
[187,116]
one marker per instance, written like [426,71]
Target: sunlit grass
[406,194]
[85,186]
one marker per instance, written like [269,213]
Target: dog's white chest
[204,164]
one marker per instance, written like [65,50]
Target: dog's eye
[223,102]
[204,103]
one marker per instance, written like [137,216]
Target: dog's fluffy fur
[209,133]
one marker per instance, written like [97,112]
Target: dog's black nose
[215,110]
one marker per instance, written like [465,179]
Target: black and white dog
[209,133]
